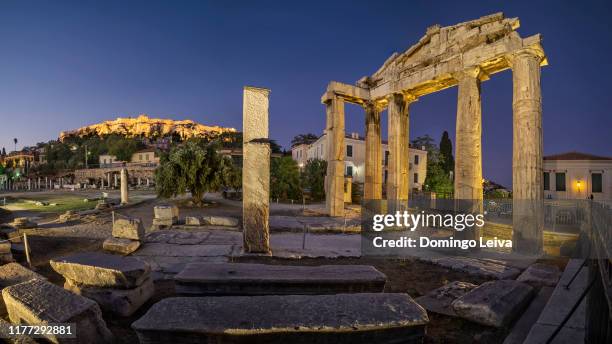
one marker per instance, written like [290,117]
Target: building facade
[146,156]
[354,162]
[575,175]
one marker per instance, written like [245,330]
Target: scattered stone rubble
[165,216]
[120,285]
[540,275]
[223,221]
[6,255]
[23,223]
[68,216]
[440,300]
[127,236]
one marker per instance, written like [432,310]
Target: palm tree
[15,140]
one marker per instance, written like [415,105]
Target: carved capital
[532,52]
[473,73]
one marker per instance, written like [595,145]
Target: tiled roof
[575,156]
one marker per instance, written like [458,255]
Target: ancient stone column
[372,189]
[256,170]
[116,179]
[334,191]
[398,136]
[108,180]
[468,151]
[527,185]
[124,186]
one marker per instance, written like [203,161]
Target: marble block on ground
[128,229]
[440,300]
[38,302]
[102,270]
[540,275]
[261,279]
[14,273]
[123,302]
[341,318]
[494,303]
[193,221]
[120,246]
[220,221]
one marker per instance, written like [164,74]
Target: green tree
[304,139]
[193,167]
[285,179]
[123,148]
[446,151]
[313,178]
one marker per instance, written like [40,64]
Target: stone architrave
[468,150]
[372,189]
[527,153]
[334,151]
[124,186]
[256,170]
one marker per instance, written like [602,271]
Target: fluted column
[527,186]
[334,154]
[398,133]
[372,189]
[468,151]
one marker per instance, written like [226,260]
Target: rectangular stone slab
[102,270]
[14,273]
[261,279]
[342,318]
[38,302]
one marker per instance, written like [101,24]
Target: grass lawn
[62,203]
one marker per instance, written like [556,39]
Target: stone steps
[261,279]
[342,318]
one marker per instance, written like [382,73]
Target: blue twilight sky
[64,64]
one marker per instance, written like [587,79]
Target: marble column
[108,180]
[116,179]
[256,170]
[334,154]
[468,148]
[398,135]
[124,186]
[372,189]
[527,173]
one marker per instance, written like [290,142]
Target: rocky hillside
[147,127]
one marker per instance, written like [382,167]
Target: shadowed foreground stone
[5,333]
[440,300]
[14,273]
[123,302]
[120,246]
[261,279]
[102,270]
[38,302]
[540,275]
[343,318]
[494,303]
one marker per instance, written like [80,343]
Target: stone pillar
[47,183]
[256,170]
[124,186]
[334,154]
[372,188]
[29,184]
[398,133]
[468,150]
[116,179]
[139,181]
[108,180]
[148,182]
[527,185]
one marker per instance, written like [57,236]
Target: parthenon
[464,54]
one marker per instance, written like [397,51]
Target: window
[385,177]
[416,177]
[349,151]
[546,181]
[416,159]
[147,157]
[596,183]
[349,171]
[386,159]
[560,181]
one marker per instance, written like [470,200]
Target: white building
[355,158]
[147,156]
[575,175]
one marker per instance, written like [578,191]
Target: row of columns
[527,150]
[31,184]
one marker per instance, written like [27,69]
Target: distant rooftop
[576,156]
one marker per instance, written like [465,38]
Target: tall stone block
[527,185]
[256,170]
[124,186]
[398,174]
[372,189]
[334,180]
[468,153]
